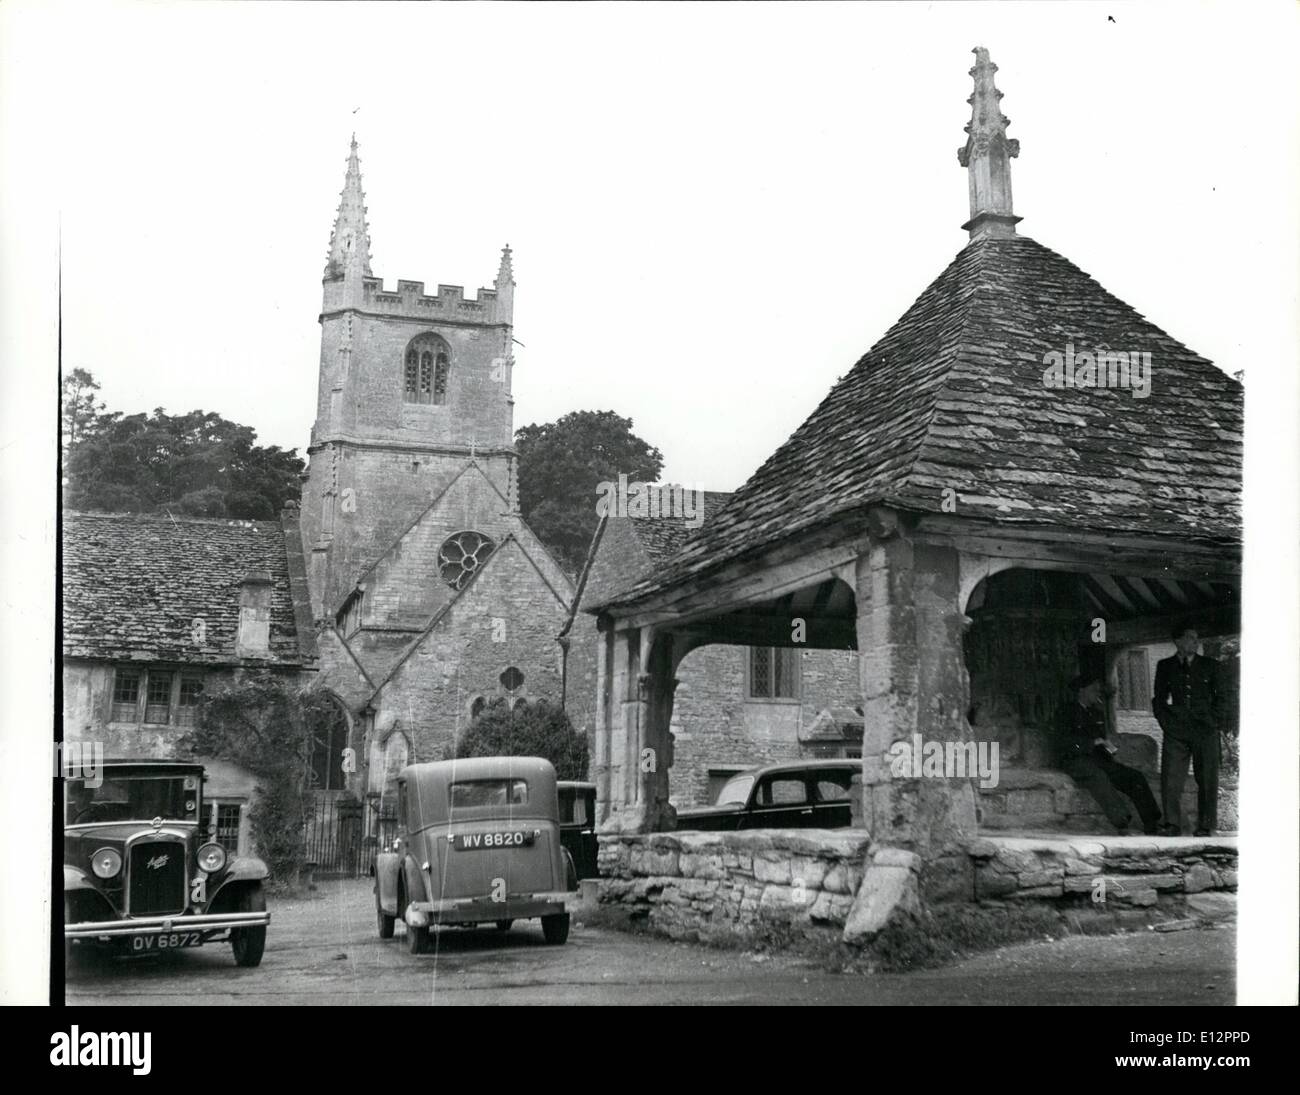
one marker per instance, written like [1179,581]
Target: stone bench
[1047,800]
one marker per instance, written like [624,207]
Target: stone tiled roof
[626,550]
[133,585]
[662,536]
[953,397]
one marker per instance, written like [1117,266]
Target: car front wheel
[556,928]
[249,943]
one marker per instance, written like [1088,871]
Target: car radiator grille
[157,878]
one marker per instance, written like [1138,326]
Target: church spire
[350,241]
[506,272]
[987,156]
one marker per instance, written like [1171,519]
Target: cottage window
[225,824]
[773,673]
[187,708]
[126,695]
[427,363]
[158,696]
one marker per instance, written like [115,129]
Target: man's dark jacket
[1186,700]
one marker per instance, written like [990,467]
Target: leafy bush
[264,724]
[535,729]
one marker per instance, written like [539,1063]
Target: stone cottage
[156,610]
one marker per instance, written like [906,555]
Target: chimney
[987,156]
[254,639]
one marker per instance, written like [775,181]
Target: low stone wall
[1138,872]
[834,883]
[701,885]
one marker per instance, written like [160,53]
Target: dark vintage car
[478,843]
[578,825]
[801,794]
[141,876]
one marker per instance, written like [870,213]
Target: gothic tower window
[427,363]
[461,556]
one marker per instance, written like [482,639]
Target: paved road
[325,950]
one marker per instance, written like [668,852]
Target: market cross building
[962,522]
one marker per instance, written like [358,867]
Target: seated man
[1086,755]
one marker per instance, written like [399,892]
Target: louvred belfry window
[426,367]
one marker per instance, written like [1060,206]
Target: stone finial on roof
[349,254]
[506,272]
[987,155]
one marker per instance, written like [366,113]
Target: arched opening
[427,365]
[329,739]
[772,682]
[1034,635]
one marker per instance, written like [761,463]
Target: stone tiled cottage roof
[134,585]
[663,536]
[953,397]
[626,550]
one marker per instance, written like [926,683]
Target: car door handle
[807,811]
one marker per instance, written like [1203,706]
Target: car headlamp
[106,863]
[211,857]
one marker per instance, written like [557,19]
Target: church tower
[415,390]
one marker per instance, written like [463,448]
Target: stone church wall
[430,695]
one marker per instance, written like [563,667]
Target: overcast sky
[715,210]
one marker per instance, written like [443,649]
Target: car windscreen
[735,792]
[489,792]
[131,798]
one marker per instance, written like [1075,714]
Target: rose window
[461,555]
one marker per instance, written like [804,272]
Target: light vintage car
[478,843]
[139,872]
[799,794]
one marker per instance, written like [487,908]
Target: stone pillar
[634,749]
[600,734]
[914,690]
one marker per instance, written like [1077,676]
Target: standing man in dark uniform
[1186,704]
[1087,755]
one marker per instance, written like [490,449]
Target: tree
[81,411]
[534,729]
[198,464]
[264,724]
[562,463]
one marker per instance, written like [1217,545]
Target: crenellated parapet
[409,301]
